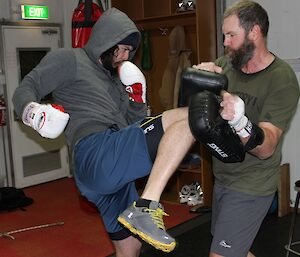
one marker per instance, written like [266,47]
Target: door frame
[6,131]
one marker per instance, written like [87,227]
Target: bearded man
[259,104]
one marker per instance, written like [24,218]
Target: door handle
[49,31]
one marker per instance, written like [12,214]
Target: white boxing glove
[48,120]
[134,81]
[240,122]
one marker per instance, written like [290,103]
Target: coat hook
[163,31]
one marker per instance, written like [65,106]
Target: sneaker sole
[158,245]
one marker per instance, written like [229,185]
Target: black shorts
[154,131]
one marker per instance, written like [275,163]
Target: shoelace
[157,217]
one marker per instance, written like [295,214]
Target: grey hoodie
[94,99]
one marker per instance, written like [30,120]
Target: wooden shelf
[196,169]
[183,19]
[167,196]
[170,197]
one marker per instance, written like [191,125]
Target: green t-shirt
[270,95]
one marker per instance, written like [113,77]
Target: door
[33,159]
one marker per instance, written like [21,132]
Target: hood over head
[132,39]
[112,27]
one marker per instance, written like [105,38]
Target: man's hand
[48,120]
[208,66]
[134,81]
[234,111]
[213,132]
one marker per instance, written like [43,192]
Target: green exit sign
[34,12]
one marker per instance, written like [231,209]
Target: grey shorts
[236,219]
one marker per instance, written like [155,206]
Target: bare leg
[128,247]
[173,146]
[217,255]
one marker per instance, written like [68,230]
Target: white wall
[291,151]
[12,9]
[60,11]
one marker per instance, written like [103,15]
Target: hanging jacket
[175,64]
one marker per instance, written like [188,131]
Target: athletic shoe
[181,7]
[184,194]
[148,224]
[190,6]
[188,190]
[195,198]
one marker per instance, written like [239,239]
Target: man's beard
[242,55]
[107,61]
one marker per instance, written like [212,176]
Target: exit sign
[34,12]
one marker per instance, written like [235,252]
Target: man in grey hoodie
[112,141]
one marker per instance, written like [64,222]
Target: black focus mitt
[194,81]
[211,130]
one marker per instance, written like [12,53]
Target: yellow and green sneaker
[147,223]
